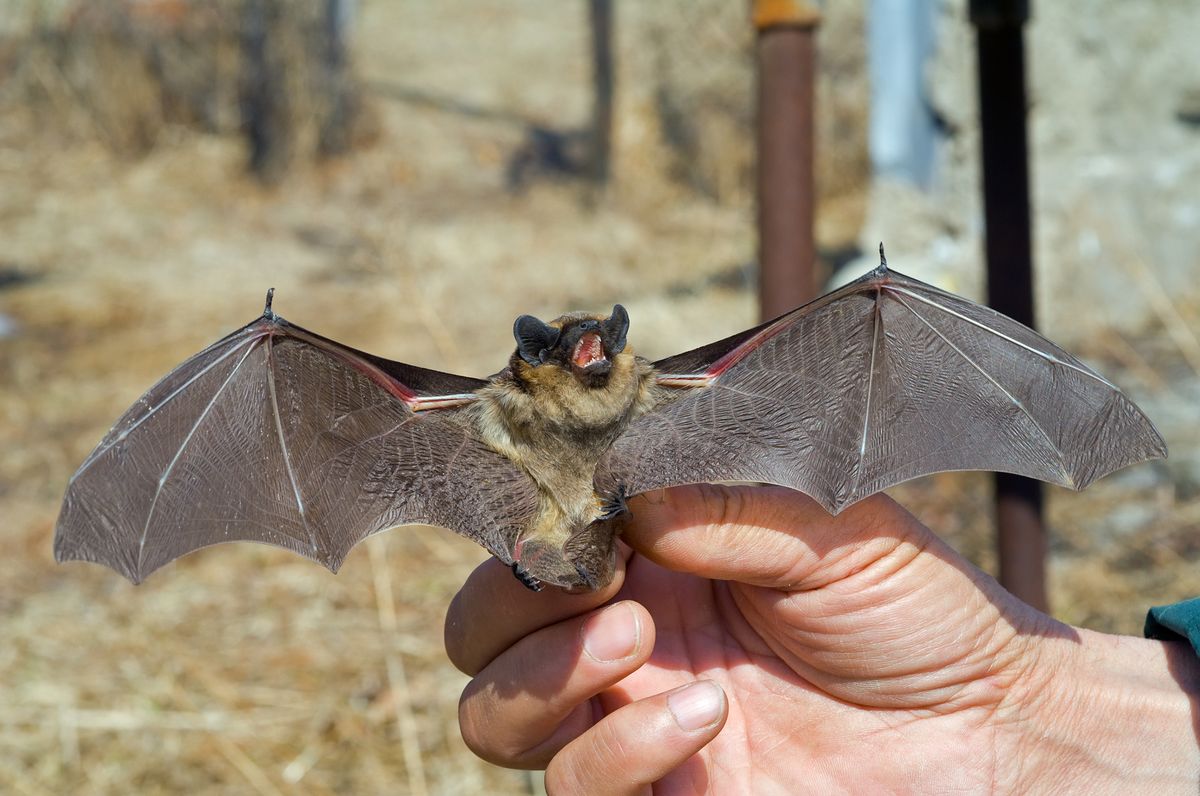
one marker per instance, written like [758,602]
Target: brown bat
[275,434]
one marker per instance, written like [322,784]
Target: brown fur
[554,426]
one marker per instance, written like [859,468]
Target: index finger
[493,610]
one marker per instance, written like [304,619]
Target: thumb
[766,535]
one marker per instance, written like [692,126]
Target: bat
[276,434]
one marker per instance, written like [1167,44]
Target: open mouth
[589,353]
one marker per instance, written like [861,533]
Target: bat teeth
[589,351]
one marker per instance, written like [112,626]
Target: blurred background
[410,176]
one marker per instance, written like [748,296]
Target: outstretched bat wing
[881,381]
[275,434]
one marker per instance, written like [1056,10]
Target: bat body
[571,389]
[278,435]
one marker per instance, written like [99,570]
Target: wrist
[1106,714]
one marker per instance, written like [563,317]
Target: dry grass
[246,670]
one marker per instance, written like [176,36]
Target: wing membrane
[277,435]
[923,381]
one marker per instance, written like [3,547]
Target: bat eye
[534,338]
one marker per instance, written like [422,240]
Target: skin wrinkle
[890,730]
[877,569]
[691,651]
[989,649]
[874,571]
[467,704]
[611,750]
[615,748]
[872,534]
[733,540]
[576,723]
[951,685]
[748,606]
[775,676]
[1026,691]
[976,709]
[728,608]
[959,677]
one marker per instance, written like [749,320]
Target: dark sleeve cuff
[1178,622]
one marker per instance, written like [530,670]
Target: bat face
[584,345]
[275,434]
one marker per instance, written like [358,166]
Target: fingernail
[613,634]
[697,705]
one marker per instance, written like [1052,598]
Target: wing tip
[332,562]
[1157,451]
[834,507]
[64,556]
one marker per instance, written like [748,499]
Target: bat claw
[527,580]
[614,505]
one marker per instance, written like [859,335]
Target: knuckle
[470,724]
[482,722]
[598,760]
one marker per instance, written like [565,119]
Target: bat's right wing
[275,434]
[881,381]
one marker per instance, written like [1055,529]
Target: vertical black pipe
[787,58]
[338,90]
[267,101]
[600,13]
[999,24]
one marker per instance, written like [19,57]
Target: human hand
[853,653]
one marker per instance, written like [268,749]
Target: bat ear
[533,338]
[616,327]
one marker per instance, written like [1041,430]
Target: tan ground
[246,669]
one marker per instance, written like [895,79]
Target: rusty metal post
[999,26]
[787,56]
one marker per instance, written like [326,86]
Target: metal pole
[340,93]
[999,24]
[600,12]
[787,55]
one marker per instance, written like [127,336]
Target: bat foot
[614,505]
[527,580]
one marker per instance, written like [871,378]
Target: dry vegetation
[245,669]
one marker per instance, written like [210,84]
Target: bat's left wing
[879,382]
